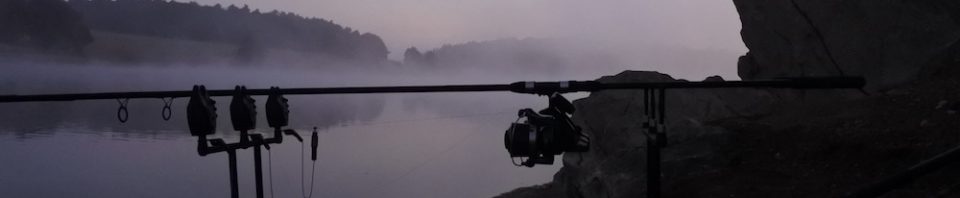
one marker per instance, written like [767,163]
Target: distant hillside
[249,29]
[134,49]
[47,25]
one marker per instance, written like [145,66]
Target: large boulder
[888,42]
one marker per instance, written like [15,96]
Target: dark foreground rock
[748,143]
[776,143]
[889,42]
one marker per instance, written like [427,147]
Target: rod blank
[517,87]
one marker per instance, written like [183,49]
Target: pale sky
[427,24]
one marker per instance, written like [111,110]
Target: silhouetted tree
[371,47]
[412,56]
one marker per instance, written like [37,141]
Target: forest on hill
[41,24]
[49,25]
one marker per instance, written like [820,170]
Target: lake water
[371,145]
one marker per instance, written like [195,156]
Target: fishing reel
[539,136]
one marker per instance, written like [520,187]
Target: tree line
[48,25]
[64,24]
[231,24]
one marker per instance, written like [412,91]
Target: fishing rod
[541,88]
[539,137]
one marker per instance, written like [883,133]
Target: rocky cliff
[764,143]
[889,42]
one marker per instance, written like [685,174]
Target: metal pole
[662,105]
[651,108]
[653,168]
[662,127]
[654,102]
[258,170]
[234,186]
[646,104]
